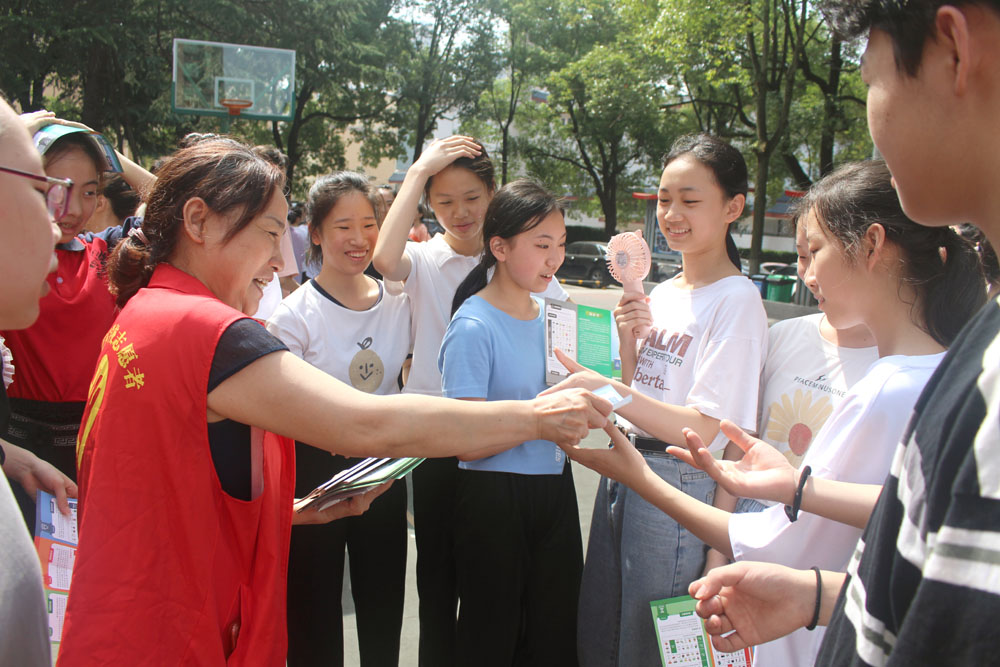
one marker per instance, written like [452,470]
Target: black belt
[59,429]
[649,444]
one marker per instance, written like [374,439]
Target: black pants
[519,559]
[434,527]
[376,541]
[47,430]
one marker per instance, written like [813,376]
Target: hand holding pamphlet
[356,480]
[683,640]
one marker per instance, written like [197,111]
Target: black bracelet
[793,512]
[819,597]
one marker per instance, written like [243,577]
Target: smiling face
[459,199]
[802,251]
[834,279]
[347,234]
[27,234]
[532,258]
[692,210]
[238,269]
[77,166]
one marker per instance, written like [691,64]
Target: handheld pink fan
[629,262]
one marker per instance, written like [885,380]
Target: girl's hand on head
[566,417]
[763,473]
[36,120]
[631,315]
[353,506]
[443,152]
[621,462]
[581,378]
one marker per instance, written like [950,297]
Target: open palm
[763,473]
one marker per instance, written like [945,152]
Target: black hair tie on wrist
[793,512]
[819,598]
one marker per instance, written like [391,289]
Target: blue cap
[49,134]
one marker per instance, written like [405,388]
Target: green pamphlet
[583,333]
[683,640]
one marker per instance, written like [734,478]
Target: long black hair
[726,164]
[517,207]
[942,268]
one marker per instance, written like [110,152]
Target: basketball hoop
[235,105]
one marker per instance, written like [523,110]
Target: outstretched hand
[753,603]
[566,417]
[763,473]
[353,506]
[581,377]
[621,462]
[443,152]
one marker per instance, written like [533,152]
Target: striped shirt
[923,586]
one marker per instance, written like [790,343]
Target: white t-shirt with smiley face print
[365,349]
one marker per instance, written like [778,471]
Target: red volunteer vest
[168,562]
[54,358]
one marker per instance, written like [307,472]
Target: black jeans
[376,541]
[519,559]
[434,527]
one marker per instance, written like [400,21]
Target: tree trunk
[759,209]
[504,152]
[831,110]
[609,204]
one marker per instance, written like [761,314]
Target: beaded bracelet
[793,512]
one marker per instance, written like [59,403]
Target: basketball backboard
[217,79]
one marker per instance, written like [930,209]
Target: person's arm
[283,394]
[32,473]
[624,463]
[726,502]
[766,474]
[760,602]
[663,421]
[390,257]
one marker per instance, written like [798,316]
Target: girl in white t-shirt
[700,362]
[456,178]
[348,325]
[914,287]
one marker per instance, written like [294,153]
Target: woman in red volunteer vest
[185,490]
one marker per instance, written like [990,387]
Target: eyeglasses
[56,197]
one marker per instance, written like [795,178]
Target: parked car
[665,265]
[586,261]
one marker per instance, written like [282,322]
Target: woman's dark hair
[226,174]
[517,207]
[76,141]
[481,166]
[324,195]
[120,195]
[726,164]
[941,267]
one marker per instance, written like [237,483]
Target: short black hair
[909,23]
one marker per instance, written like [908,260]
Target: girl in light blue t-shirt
[519,554]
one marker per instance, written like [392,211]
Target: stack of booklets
[356,480]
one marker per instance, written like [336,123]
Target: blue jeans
[635,554]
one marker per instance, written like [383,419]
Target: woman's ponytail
[733,252]
[130,267]
[475,281]
[954,289]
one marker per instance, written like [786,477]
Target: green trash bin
[779,288]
